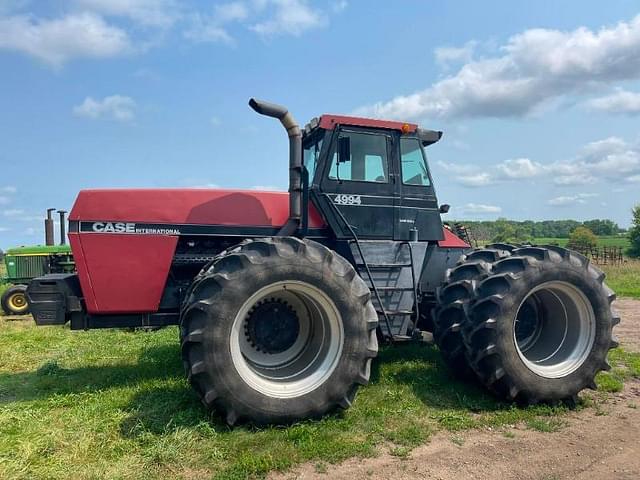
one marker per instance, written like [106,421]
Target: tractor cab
[373,176]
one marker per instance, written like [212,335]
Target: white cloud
[457,168]
[339,6]
[447,55]
[611,159]
[211,28]
[12,212]
[205,31]
[116,107]
[475,179]
[231,12]
[537,66]
[215,121]
[479,208]
[563,201]
[57,41]
[578,178]
[8,189]
[621,101]
[520,168]
[5,229]
[291,17]
[152,13]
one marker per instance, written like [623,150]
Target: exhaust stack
[63,233]
[49,239]
[295,160]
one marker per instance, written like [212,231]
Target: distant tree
[634,233]
[508,231]
[602,227]
[582,239]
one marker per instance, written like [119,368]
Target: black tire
[453,297]
[14,300]
[230,383]
[540,326]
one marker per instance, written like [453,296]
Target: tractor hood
[185,206]
[124,241]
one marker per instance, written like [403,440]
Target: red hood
[188,206]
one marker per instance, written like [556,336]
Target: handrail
[366,266]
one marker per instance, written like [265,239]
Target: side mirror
[428,137]
[344,149]
[444,208]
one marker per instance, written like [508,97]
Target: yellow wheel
[14,300]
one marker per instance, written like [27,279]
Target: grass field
[114,404]
[624,279]
[603,241]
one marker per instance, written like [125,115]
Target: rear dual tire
[277,330]
[537,323]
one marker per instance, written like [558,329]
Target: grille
[30,267]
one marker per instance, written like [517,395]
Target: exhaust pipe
[295,161]
[49,239]
[63,233]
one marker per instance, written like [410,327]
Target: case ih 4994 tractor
[281,307]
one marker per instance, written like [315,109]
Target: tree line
[503,229]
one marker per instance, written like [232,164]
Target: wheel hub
[272,326]
[554,329]
[17,301]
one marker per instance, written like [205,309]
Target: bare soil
[628,331]
[598,443]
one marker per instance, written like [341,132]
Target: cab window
[414,165]
[311,154]
[368,161]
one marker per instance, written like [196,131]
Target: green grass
[624,279]
[603,241]
[114,404]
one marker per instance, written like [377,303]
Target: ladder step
[384,265]
[402,338]
[393,289]
[395,312]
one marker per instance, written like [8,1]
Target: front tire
[540,326]
[278,330]
[14,300]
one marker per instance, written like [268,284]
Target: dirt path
[598,444]
[628,332]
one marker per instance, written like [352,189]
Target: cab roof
[329,122]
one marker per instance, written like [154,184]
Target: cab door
[360,184]
[417,205]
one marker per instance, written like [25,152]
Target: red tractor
[282,299]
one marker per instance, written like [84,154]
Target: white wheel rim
[309,361]
[563,333]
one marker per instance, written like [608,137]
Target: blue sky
[539,101]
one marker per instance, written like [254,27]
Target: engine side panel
[124,273]
[124,241]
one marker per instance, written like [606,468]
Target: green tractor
[25,263]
